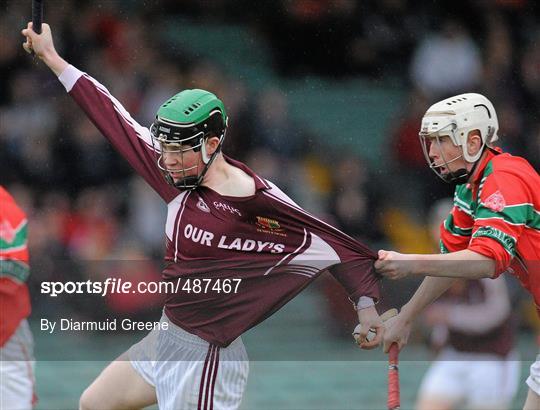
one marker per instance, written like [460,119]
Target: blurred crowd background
[325,98]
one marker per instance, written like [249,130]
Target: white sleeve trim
[364,302]
[69,77]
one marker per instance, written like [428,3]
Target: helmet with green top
[184,123]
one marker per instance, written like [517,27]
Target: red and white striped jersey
[14,271]
[498,215]
[266,240]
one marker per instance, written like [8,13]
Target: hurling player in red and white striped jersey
[494,226]
[224,223]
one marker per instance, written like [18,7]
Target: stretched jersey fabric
[266,242]
[14,271]
[498,215]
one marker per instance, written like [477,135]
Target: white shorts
[17,370]
[533,381]
[474,380]
[188,372]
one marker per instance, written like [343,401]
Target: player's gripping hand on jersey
[43,46]
[394,265]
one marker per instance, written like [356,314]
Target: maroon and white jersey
[479,317]
[265,246]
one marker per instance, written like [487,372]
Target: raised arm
[129,138]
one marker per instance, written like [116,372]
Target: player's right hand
[397,330]
[41,44]
[394,265]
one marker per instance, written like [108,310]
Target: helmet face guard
[175,138]
[427,138]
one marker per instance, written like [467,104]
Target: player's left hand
[394,265]
[397,330]
[369,320]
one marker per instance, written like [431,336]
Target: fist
[40,44]
[394,265]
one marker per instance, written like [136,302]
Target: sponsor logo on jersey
[226,207]
[206,238]
[506,240]
[270,226]
[7,232]
[202,206]
[495,202]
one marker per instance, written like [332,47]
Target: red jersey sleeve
[456,229]
[502,212]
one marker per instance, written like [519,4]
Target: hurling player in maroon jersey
[225,226]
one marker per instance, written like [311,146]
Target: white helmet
[455,117]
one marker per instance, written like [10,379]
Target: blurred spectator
[313,35]
[9,48]
[269,165]
[534,146]
[147,216]
[93,228]
[530,72]
[273,126]
[388,32]
[409,166]
[407,151]
[446,62]
[93,158]
[165,77]
[499,61]
[355,200]
[511,129]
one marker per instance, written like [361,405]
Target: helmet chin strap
[457,177]
[460,176]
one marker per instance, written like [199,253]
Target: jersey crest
[202,205]
[495,202]
[7,232]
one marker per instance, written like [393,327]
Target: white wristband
[364,302]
